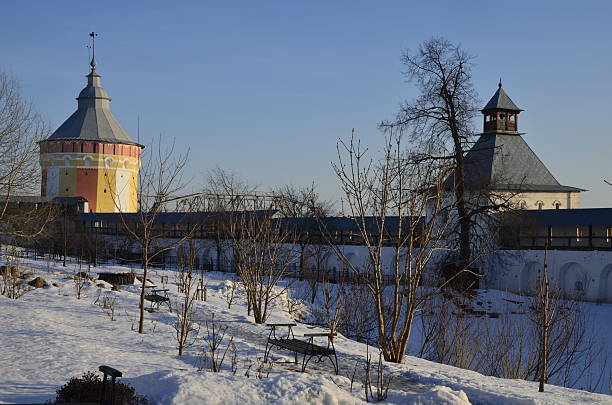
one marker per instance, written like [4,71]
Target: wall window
[540,205]
[579,234]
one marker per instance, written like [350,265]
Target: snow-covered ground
[49,335]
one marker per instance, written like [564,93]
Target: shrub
[88,388]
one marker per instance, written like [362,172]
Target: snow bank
[187,388]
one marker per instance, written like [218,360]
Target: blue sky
[267,88]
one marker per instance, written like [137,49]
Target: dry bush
[212,355]
[382,382]
[80,280]
[11,284]
[508,346]
[229,291]
[259,366]
[109,304]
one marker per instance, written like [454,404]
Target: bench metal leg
[335,364]
[304,362]
[267,352]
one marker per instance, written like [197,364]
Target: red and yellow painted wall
[105,174]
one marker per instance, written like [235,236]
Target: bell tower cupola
[500,113]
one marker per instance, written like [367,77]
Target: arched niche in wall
[605,284]
[531,273]
[573,280]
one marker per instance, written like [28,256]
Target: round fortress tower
[90,155]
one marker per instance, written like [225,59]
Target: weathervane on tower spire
[93,36]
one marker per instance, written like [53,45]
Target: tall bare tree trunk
[545,324]
[145,266]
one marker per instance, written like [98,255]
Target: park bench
[307,348]
[157,297]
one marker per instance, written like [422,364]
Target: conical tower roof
[93,120]
[500,101]
[506,162]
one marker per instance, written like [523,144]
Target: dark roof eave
[91,140]
[535,187]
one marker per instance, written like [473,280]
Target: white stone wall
[532,201]
[586,275]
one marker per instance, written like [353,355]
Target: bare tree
[21,127]
[301,202]
[510,344]
[335,304]
[230,190]
[395,203]
[160,178]
[185,325]
[318,256]
[262,255]
[293,202]
[440,120]
[561,341]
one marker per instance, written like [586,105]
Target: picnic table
[307,347]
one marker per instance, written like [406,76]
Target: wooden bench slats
[300,346]
[320,334]
[307,348]
[156,298]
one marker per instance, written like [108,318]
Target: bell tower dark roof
[501,160]
[93,120]
[500,101]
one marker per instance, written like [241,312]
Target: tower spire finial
[500,83]
[93,36]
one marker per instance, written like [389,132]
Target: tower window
[578,234]
[66,189]
[105,190]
